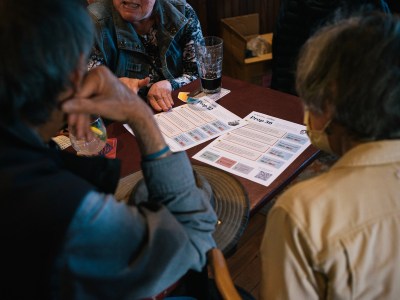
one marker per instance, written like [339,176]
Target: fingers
[79,126]
[76,106]
[101,93]
[132,84]
[115,101]
[101,105]
[160,103]
[167,98]
[143,82]
[94,82]
[157,105]
[135,84]
[160,97]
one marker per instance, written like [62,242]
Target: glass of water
[96,144]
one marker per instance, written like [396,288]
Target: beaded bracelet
[156,155]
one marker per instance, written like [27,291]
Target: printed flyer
[259,151]
[189,125]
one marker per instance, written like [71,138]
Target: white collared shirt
[337,236]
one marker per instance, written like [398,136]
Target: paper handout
[259,151]
[189,125]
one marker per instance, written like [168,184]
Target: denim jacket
[122,50]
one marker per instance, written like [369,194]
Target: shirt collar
[371,153]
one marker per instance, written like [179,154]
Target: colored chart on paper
[259,151]
[189,125]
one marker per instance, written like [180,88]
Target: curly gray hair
[354,67]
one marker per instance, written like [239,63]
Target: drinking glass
[96,144]
[209,54]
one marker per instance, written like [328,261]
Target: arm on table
[137,250]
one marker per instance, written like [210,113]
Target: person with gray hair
[337,236]
[63,233]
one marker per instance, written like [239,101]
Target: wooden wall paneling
[200,7]
[242,6]
[271,9]
[214,11]
[211,12]
[228,9]
[252,5]
[237,7]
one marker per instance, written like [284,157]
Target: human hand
[159,96]
[101,93]
[135,84]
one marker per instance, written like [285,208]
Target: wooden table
[242,100]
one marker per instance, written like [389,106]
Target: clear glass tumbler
[96,144]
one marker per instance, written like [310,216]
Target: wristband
[156,155]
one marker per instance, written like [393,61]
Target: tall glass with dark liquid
[209,55]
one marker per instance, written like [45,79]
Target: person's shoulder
[179,4]
[183,6]
[302,195]
[100,9]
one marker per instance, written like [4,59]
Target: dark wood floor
[244,264]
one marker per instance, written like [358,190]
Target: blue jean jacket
[121,48]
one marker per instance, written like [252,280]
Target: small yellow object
[183,96]
[96,130]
